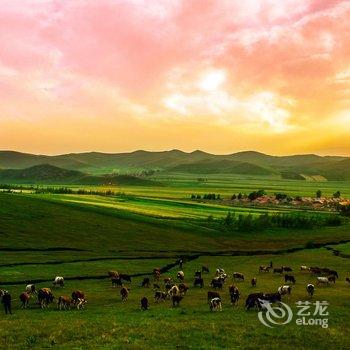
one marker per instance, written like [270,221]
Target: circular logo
[274,315]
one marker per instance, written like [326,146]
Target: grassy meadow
[81,237]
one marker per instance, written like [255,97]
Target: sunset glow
[216,75]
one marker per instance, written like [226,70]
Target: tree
[318,194]
[233,197]
[337,194]
[239,195]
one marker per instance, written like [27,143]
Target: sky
[217,75]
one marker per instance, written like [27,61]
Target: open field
[81,237]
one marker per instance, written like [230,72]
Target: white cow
[283,290]
[58,281]
[304,268]
[30,288]
[322,280]
[215,304]
[181,275]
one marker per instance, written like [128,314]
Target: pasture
[81,237]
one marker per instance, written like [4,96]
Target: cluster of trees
[294,220]
[252,196]
[206,196]
[67,190]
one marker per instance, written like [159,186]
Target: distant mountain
[50,174]
[248,162]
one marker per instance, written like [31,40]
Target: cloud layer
[218,75]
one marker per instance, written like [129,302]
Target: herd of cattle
[176,290]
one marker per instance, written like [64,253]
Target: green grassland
[81,237]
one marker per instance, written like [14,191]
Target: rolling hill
[248,162]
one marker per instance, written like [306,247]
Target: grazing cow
[145,282]
[198,281]
[234,294]
[283,290]
[159,296]
[197,274]
[272,297]
[125,277]
[347,279]
[215,304]
[64,302]
[289,278]
[310,288]
[219,271]
[113,274]
[333,273]
[183,287]
[176,300]
[287,269]
[254,281]
[304,268]
[24,298]
[76,295]
[322,280]
[58,281]
[205,269]
[238,276]
[252,300]
[212,294]
[216,283]
[30,288]
[156,273]
[6,300]
[124,292]
[331,278]
[45,297]
[81,303]
[278,270]
[156,286]
[144,304]
[117,282]
[263,268]
[174,290]
[181,276]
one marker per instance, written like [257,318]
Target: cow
[124,292]
[278,270]
[287,269]
[234,294]
[176,300]
[304,268]
[183,287]
[347,279]
[159,296]
[144,304]
[197,274]
[219,271]
[113,274]
[254,281]
[263,268]
[181,276]
[331,278]
[322,280]
[58,281]
[213,294]
[198,281]
[272,297]
[64,302]
[30,288]
[283,290]
[238,276]
[310,288]
[145,282]
[125,277]
[81,303]
[215,304]
[24,298]
[216,283]
[205,269]
[76,295]
[333,273]
[45,297]
[116,282]
[174,290]
[289,278]
[252,300]
[156,273]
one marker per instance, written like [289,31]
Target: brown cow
[144,304]
[159,296]
[183,287]
[254,281]
[113,274]
[124,292]
[176,300]
[76,295]
[64,302]
[238,276]
[234,294]
[24,298]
